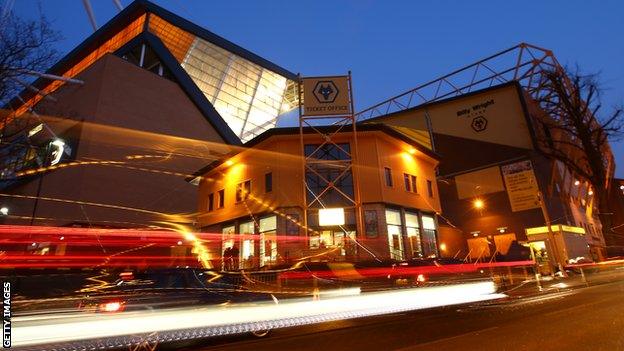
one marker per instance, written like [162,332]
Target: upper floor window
[210,202]
[388,176]
[221,198]
[243,190]
[268,182]
[429,188]
[410,183]
[328,151]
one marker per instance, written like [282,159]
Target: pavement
[574,313]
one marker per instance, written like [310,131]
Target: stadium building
[496,185]
[143,102]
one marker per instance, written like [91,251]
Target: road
[590,318]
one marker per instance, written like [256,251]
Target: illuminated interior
[248,97]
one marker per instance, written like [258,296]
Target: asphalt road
[590,318]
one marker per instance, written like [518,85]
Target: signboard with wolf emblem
[326,96]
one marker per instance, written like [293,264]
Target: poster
[521,186]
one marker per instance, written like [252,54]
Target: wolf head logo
[325,90]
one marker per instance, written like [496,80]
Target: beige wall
[506,123]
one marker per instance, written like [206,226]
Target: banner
[326,96]
[521,186]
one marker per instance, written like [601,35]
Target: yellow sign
[575,230]
[541,230]
[521,186]
[326,96]
[555,228]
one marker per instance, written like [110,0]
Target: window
[247,244]
[395,240]
[410,183]
[268,182]
[370,223]
[292,224]
[413,233]
[430,188]
[323,173]
[243,190]
[229,241]
[221,196]
[429,241]
[388,176]
[267,228]
[210,202]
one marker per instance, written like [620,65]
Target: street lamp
[478,204]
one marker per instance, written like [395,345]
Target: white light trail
[88,330]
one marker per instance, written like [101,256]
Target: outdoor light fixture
[590,193]
[577,182]
[478,204]
[621,187]
[4,210]
[57,153]
[502,229]
[443,246]
[179,242]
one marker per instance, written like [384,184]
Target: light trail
[102,331]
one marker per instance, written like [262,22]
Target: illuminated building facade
[159,96]
[255,198]
[491,176]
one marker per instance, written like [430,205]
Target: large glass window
[230,260]
[248,97]
[413,234]
[247,252]
[268,240]
[429,241]
[395,235]
[320,174]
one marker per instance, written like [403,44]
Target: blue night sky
[390,46]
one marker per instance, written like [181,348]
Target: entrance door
[541,257]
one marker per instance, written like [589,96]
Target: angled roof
[132,24]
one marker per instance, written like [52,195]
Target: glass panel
[246,228]
[411,219]
[393,217]
[430,248]
[395,242]
[247,96]
[428,222]
[268,224]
